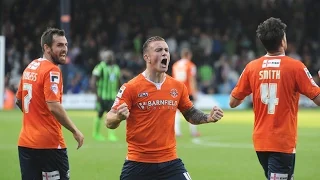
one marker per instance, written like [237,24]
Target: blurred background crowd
[221,34]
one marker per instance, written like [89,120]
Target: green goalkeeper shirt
[108,80]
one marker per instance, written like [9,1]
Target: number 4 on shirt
[268,92]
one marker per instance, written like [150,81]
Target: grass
[224,151]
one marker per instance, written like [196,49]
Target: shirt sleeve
[305,82]
[52,85]
[185,102]
[243,88]
[193,70]
[96,71]
[124,96]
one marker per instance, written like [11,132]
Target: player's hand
[216,114]
[78,136]
[123,111]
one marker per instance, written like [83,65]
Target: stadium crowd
[221,34]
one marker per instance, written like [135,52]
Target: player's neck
[155,77]
[276,53]
[48,58]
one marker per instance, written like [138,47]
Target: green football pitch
[224,151]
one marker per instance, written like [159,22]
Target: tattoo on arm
[195,116]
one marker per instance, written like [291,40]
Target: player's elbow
[317,103]
[317,100]
[232,104]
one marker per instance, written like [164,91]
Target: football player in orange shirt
[41,146]
[184,70]
[148,103]
[275,81]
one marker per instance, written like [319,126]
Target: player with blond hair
[148,103]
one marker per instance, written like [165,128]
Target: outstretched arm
[196,116]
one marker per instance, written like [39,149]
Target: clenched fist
[123,111]
[216,114]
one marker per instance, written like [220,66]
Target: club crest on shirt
[54,88]
[54,76]
[174,93]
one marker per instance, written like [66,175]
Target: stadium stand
[220,33]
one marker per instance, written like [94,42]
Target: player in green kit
[105,82]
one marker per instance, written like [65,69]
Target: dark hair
[47,36]
[271,33]
[148,41]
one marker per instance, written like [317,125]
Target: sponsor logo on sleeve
[121,91]
[54,76]
[314,83]
[310,77]
[308,73]
[116,102]
[55,88]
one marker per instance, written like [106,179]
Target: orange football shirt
[276,83]
[150,125]
[41,82]
[183,70]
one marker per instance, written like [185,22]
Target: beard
[55,58]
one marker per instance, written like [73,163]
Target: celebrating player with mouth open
[148,103]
